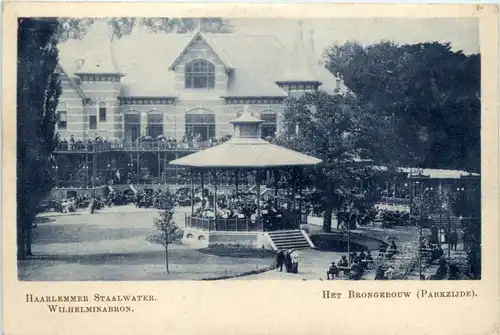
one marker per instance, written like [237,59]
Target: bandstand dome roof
[246,152]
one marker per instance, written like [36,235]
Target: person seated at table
[380,273]
[436,254]
[389,273]
[382,248]
[343,261]
[357,271]
[362,256]
[353,257]
[441,271]
[453,272]
[422,245]
[333,271]
[392,250]
[393,245]
[369,256]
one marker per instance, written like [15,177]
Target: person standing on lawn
[280,260]
[294,255]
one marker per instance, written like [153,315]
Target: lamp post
[444,206]
[129,171]
[86,169]
[109,173]
[56,168]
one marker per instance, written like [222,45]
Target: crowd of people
[244,206]
[352,217]
[72,204]
[188,141]
[354,267]
[288,258]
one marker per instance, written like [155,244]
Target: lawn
[111,245]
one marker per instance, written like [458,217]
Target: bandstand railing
[220,224]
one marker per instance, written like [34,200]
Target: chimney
[337,82]
[79,63]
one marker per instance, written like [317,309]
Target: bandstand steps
[118,188]
[121,187]
[289,239]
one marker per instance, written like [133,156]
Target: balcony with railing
[90,147]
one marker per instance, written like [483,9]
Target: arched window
[269,125]
[102,111]
[92,117]
[62,119]
[200,74]
[200,124]
[132,126]
[155,125]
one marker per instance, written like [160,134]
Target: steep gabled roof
[145,57]
[78,89]
[100,60]
[199,36]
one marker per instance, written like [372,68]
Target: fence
[219,224]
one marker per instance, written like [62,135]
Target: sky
[462,33]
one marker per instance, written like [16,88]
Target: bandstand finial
[247,109]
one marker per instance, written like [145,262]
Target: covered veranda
[245,211]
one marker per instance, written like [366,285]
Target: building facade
[135,103]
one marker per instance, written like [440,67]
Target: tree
[38,91]
[429,203]
[122,26]
[167,232]
[430,93]
[338,130]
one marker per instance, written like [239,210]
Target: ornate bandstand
[267,224]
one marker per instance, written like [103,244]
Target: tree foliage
[338,130]
[122,26]
[38,91]
[430,93]
[167,231]
[431,202]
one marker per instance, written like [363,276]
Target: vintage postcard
[250,169]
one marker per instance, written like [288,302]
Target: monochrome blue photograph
[220,148]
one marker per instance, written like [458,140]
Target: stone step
[292,239]
[288,237]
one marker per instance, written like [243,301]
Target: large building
[146,85]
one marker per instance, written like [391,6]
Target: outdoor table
[367,262]
[344,269]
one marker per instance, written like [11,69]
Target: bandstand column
[86,169]
[294,190]
[300,176]
[158,174]
[138,164]
[165,167]
[257,183]
[202,173]
[94,165]
[236,179]
[215,194]
[192,192]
